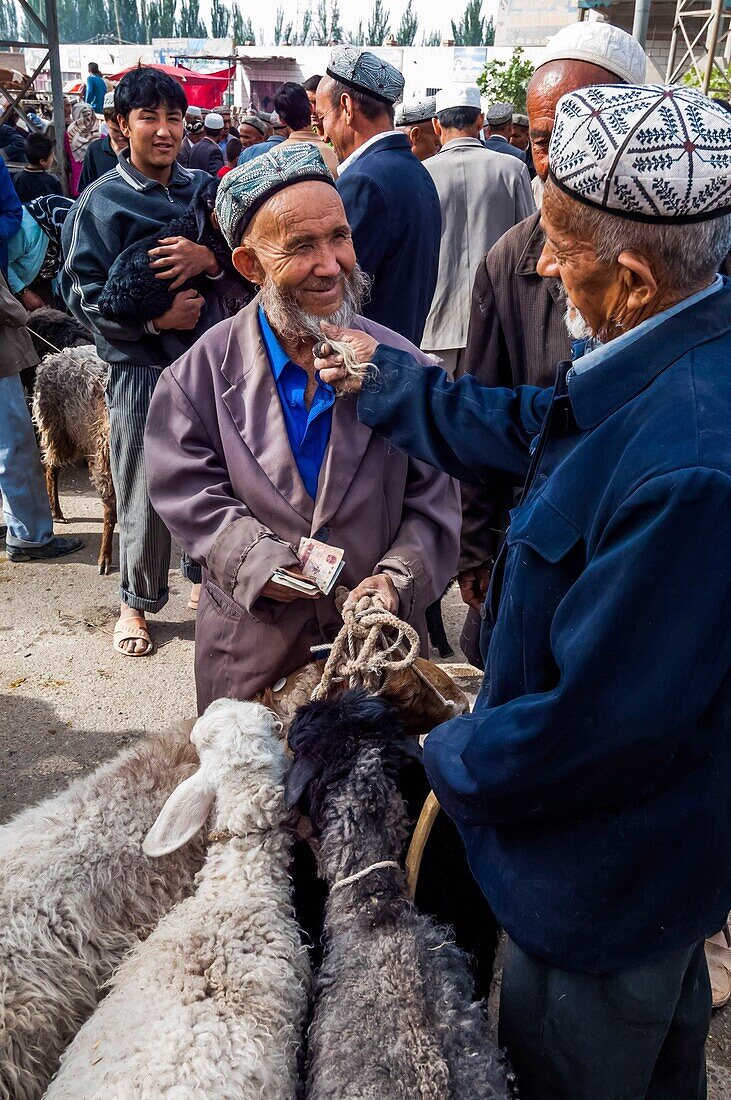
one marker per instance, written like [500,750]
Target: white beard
[575,324]
[291,322]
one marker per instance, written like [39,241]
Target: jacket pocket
[223,603]
[543,528]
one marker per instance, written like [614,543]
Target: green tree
[433,38]
[336,31]
[507,81]
[282,30]
[472,29]
[409,25]
[720,85]
[358,36]
[130,24]
[220,19]
[379,25]
[161,19]
[190,24]
[303,38]
[242,29]
[321,29]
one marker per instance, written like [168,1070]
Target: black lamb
[134,293]
[395,1015]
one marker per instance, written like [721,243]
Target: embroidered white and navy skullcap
[650,152]
[245,189]
[417,110]
[367,73]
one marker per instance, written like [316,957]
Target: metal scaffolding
[48,41]
[701,41]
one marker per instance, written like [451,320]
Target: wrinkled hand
[473,585]
[180,259]
[330,365]
[380,588]
[183,314]
[280,594]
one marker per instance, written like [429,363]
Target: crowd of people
[538,308]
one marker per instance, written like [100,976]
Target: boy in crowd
[35,178]
[133,203]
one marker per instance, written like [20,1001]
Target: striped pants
[144,540]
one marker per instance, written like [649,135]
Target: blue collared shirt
[603,351]
[308,430]
[252,151]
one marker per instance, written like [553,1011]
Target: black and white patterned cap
[246,188]
[650,152]
[367,73]
[417,110]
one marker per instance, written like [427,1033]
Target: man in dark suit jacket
[499,130]
[390,200]
[207,155]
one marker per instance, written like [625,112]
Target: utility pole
[641,20]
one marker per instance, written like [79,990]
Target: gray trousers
[144,540]
[636,1034]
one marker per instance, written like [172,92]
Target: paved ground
[68,701]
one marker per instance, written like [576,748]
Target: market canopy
[201,89]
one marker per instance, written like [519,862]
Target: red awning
[201,90]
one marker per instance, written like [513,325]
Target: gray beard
[292,323]
[576,326]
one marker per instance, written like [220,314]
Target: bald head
[549,83]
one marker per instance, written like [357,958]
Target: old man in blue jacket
[389,197]
[592,782]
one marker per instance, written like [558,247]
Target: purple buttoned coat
[222,476]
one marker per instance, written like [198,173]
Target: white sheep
[212,1004]
[76,892]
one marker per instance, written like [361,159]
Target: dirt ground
[68,701]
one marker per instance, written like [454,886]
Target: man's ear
[437,127]
[639,279]
[123,125]
[347,108]
[247,264]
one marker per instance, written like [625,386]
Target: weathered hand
[282,594]
[180,259]
[330,365]
[183,313]
[380,588]
[473,585]
[31,300]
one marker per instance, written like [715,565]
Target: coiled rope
[372,643]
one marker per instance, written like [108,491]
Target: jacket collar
[254,406]
[598,393]
[530,256]
[461,143]
[179,176]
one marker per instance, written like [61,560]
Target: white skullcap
[600,44]
[653,153]
[213,121]
[458,95]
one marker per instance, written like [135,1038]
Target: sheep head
[347,755]
[242,768]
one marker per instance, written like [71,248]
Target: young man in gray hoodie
[133,201]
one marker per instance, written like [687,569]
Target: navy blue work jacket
[393,209]
[592,782]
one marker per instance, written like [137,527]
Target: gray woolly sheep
[76,892]
[73,422]
[211,1006]
[395,1017]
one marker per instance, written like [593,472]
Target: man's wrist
[212,269]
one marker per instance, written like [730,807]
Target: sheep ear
[301,774]
[184,813]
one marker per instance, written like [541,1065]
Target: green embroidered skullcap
[246,188]
[362,70]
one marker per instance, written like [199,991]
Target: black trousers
[634,1035]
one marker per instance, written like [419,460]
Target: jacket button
[483,612]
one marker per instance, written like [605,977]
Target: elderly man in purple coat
[247,451]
